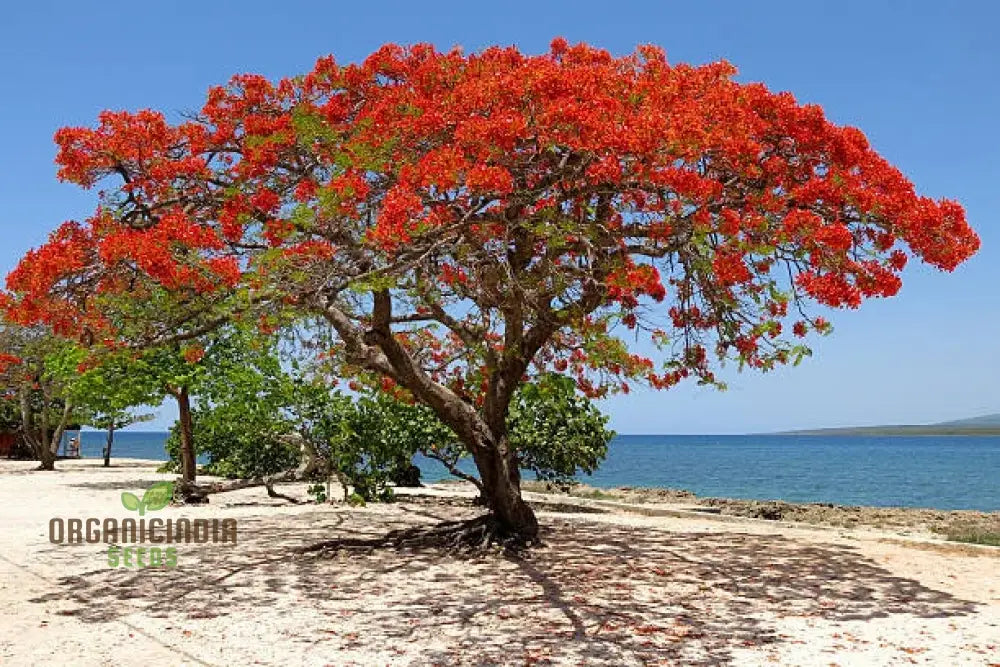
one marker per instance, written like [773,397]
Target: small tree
[175,370]
[115,421]
[32,362]
[108,389]
[240,420]
[223,360]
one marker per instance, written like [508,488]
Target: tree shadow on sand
[595,593]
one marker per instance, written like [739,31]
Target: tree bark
[501,487]
[61,428]
[37,440]
[186,490]
[188,462]
[107,445]
[47,460]
[44,443]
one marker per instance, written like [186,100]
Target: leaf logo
[156,498]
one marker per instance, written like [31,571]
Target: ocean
[943,472]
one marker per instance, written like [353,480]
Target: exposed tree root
[470,537]
[271,493]
[188,493]
[197,494]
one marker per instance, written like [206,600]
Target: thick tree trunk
[483,434]
[501,481]
[46,447]
[107,446]
[188,463]
[185,490]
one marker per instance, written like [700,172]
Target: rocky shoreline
[958,525]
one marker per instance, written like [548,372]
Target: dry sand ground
[614,588]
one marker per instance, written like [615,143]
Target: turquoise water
[944,472]
[128,445]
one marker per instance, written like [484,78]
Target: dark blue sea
[957,472]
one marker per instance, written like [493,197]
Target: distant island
[983,425]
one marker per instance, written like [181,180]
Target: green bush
[239,417]
[239,442]
[556,432]
[361,442]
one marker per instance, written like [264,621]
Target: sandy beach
[617,587]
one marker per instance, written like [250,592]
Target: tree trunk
[47,460]
[37,439]
[188,467]
[484,435]
[44,443]
[107,445]
[57,435]
[501,480]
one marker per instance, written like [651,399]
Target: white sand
[614,589]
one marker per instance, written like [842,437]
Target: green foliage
[107,393]
[241,440]
[108,390]
[353,439]
[556,431]
[319,492]
[239,420]
[9,410]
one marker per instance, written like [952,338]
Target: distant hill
[983,425]
[985,420]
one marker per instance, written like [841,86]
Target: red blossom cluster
[7,361]
[498,189]
[193,354]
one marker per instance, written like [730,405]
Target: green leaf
[158,496]
[130,501]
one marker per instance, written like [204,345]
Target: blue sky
[920,78]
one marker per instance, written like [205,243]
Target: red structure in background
[8,443]
[13,446]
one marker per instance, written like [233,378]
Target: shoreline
[731,505]
[919,520]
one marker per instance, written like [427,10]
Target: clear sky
[922,79]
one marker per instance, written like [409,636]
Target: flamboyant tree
[463,222]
